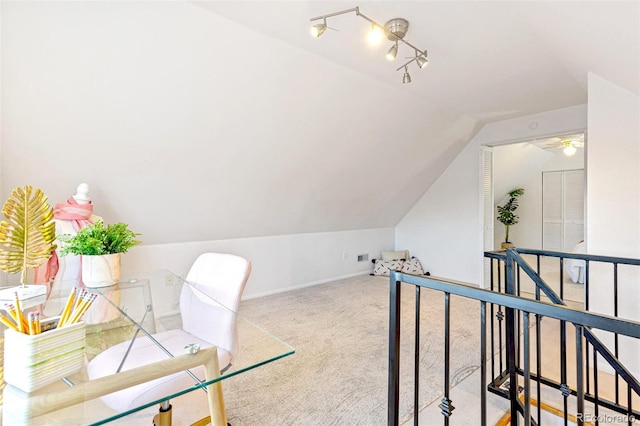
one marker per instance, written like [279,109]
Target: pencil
[21,325]
[67,308]
[37,323]
[83,309]
[8,323]
[32,325]
[14,316]
[78,309]
[11,310]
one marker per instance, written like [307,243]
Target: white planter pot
[101,271]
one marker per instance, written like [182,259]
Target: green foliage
[99,239]
[506,214]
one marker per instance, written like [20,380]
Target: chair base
[204,422]
[163,418]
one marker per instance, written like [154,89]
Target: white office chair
[207,321]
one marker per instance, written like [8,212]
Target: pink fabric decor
[80,216]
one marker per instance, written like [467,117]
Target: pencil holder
[34,361]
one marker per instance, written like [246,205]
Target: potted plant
[506,214]
[101,247]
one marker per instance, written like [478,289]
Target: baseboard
[300,286]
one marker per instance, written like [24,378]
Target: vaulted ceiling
[226,119]
[488,59]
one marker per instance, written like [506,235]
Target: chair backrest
[221,277]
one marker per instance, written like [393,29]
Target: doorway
[534,165]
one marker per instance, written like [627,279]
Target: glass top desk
[137,310]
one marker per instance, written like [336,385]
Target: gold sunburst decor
[27,234]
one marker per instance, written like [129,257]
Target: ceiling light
[569,149]
[422,61]
[393,52]
[375,35]
[406,78]
[395,29]
[318,29]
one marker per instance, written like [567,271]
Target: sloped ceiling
[226,119]
[488,60]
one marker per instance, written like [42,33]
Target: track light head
[406,78]
[375,35]
[318,29]
[393,52]
[422,61]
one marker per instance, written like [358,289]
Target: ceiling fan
[567,143]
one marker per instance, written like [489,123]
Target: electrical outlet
[344,255]
[363,257]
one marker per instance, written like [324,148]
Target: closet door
[562,209]
[552,211]
[573,218]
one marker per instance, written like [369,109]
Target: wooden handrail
[42,404]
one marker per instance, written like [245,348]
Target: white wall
[200,143]
[444,228]
[513,167]
[189,135]
[528,232]
[279,263]
[613,200]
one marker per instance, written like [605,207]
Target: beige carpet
[338,375]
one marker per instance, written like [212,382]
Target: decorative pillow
[383,267]
[413,266]
[395,255]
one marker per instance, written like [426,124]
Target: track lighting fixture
[393,52]
[394,29]
[422,61]
[406,78]
[318,29]
[375,35]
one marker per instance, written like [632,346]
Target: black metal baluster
[579,377]
[538,344]
[538,357]
[564,387]
[416,361]
[394,353]
[493,357]
[527,372]
[586,285]
[510,337]
[561,278]
[500,316]
[586,308]
[596,406]
[629,405]
[615,314]
[446,407]
[519,328]
[483,363]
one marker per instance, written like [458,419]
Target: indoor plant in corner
[101,247]
[506,214]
